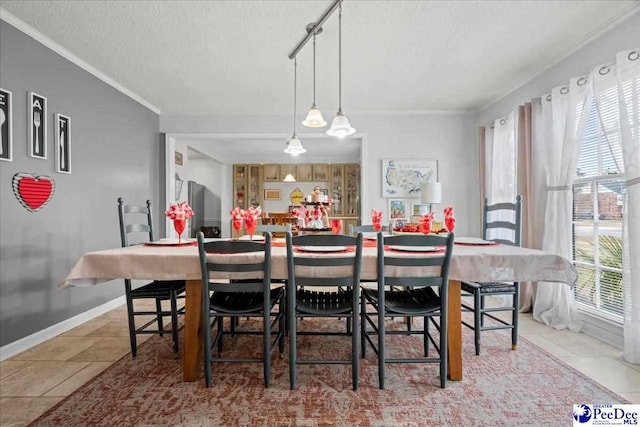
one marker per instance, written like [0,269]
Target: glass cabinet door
[239,185]
[352,193]
[336,187]
[255,186]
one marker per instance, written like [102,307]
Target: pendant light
[289,178]
[314,117]
[295,146]
[340,126]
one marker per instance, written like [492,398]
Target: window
[597,212]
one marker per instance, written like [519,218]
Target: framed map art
[402,177]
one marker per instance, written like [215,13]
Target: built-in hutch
[342,181]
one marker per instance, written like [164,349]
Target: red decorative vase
[179,225]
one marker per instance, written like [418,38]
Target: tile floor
[35,380]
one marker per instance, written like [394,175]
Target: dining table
[472,260]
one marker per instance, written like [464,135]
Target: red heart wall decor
[33,191]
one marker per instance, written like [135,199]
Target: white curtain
[501,168]
[561,114]
[627,74]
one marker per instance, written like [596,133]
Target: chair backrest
[502,222]
[135,219]
[339,269]
[252,273]
[395,268]
[278,219]
[354,229]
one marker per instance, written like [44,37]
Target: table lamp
[431,193]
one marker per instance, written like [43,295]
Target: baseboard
[608,332]
[39,337]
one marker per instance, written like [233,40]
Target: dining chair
[277,230]
[243,289]
[420,264]
[136,227]
[365,228]
[501,224]
[331,262]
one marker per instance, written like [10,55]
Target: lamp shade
[295,147]
[314,119]
[431,193]
[340,127]
[289,178]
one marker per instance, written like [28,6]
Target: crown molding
[46,41]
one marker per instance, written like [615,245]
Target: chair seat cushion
[159,289]
[242,302]
[313,302]
[488,287]
[420,301]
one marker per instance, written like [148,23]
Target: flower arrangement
[376,219]
[449,219]
[247,216]
[179,214]
[251,219]
[425,222]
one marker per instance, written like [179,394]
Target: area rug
[501,387]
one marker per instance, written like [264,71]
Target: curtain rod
[311,31]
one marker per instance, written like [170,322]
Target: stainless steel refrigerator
[195,199]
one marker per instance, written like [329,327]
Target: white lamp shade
[431,193]
[289,178]
[314,119]
[340,127]
[295,147]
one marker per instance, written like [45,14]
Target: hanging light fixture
[289,178]
[340,126]
[314,116]
[295,146]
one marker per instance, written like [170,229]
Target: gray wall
[449,137]
[601,50]
[115,151]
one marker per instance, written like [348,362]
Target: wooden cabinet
[343,182]
[271,173]
[287,169]
[247,185]
[336,187]
[351,193]
[304,172]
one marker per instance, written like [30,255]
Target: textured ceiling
[230,57]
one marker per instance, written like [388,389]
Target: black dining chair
[243,290]
[331,262]
[136,227]
[365,228]
[276,230]
[420,264]
[501,224]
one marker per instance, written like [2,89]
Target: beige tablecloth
[479,263]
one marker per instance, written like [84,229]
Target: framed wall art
[62,143]
[272,194]
[37,119]
[418,208]
[402,178]
[6,126]
[397,209]
[178,158]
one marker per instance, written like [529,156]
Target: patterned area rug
[500,387]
